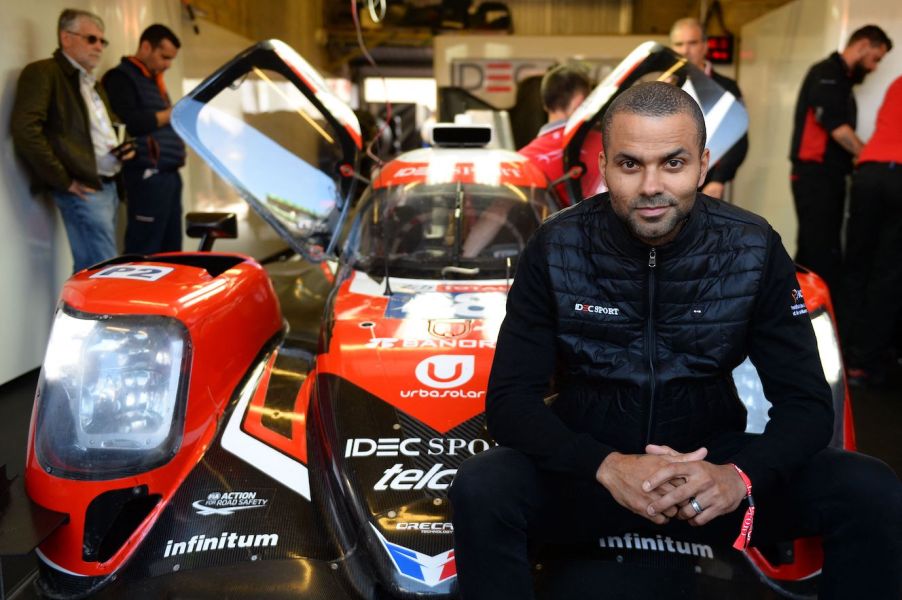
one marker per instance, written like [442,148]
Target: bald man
[688,39]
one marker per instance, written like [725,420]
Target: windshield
[447,229]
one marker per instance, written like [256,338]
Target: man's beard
[649,232]
[857,73]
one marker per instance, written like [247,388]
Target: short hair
[70,16]
[873,34]
[561,83]
[686,22]
[156,33]
[655,99]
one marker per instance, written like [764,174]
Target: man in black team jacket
[640,303]
[687,38]
[825,145]
[138,95]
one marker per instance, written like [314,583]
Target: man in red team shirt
[872,272]
[564,88]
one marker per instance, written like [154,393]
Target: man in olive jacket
[62,127]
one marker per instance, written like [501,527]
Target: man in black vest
[153,184]
[640,303]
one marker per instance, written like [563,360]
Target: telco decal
[225,541]
[226,503]
[427,528]
[356,447]
[399,478]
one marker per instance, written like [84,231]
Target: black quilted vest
[648,337]
[163,149]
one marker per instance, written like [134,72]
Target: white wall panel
[34,251]
[777,50]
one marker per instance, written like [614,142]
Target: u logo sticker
[445,371]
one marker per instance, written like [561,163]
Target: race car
[207,425]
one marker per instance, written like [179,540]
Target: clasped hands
[660,484]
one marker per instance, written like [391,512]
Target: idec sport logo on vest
[594,308]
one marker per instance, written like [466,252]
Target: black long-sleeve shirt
[780,343]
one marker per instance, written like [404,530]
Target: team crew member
[138,95]
[872,272]
[563,89]
[688,39]
[640,303]
[824,145]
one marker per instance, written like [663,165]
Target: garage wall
[777,50]
[34,251]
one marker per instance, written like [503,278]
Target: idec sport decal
[286,468]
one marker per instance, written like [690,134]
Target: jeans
[90,224]
[502,504]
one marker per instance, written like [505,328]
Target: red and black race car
[209,426]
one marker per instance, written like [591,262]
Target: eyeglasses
[92,39]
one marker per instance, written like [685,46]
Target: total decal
[227,503]
[455,168]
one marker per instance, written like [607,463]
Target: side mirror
[210,227]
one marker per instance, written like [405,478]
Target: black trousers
[872,271]
[502,503]
[819,193]
[154,212]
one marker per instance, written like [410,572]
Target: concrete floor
[877,414]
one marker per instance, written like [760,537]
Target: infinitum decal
[632,541]
[225,541]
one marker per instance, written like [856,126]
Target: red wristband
[745,534]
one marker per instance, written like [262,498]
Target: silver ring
[695,505]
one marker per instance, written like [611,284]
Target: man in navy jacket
[152,181]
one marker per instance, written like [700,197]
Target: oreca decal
[445,371]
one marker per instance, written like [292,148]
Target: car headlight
[111,397]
